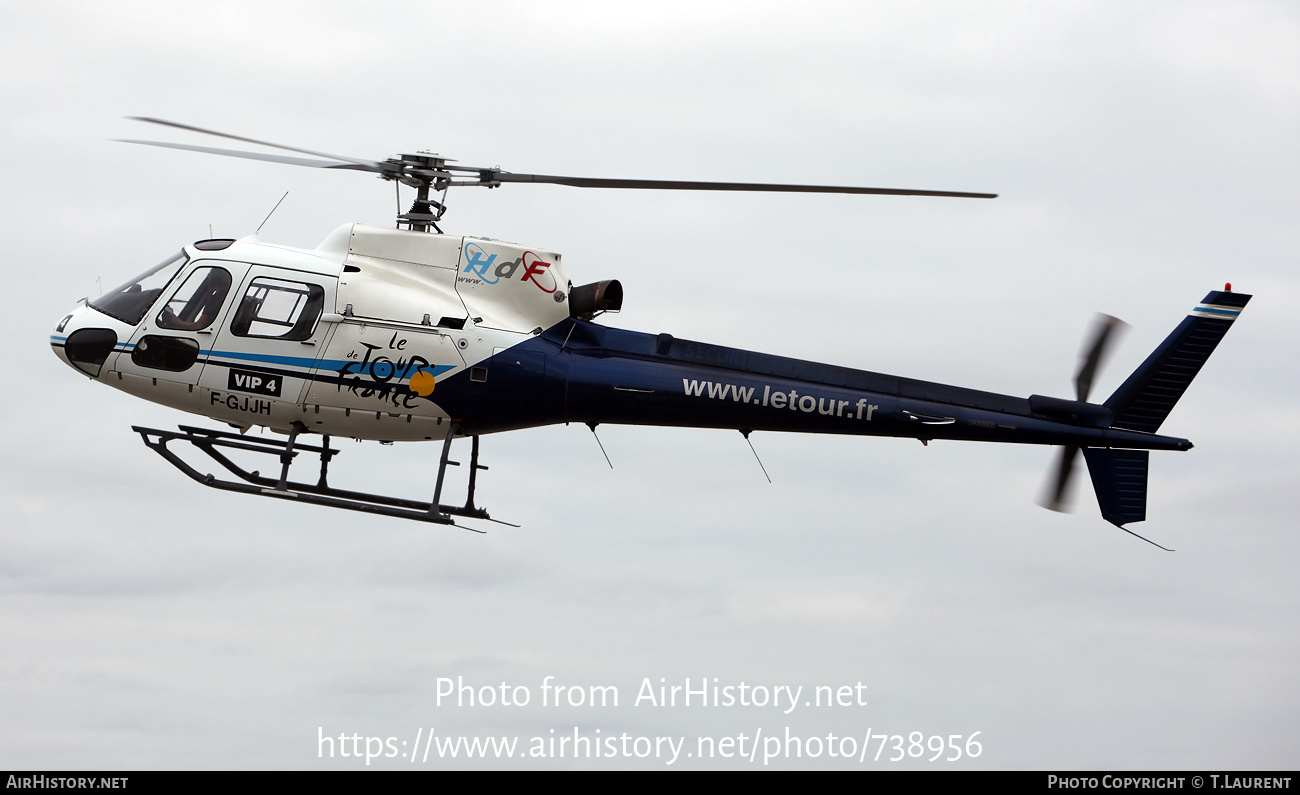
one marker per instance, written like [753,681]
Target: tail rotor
[1056,497]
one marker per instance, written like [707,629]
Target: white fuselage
[352,338]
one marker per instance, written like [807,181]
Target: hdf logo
[535,270]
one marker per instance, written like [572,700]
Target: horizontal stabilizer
[1144,401]
[1120,480]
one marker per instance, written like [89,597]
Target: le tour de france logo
[529,266]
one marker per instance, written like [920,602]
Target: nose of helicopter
[84,339]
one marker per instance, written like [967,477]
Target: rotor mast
[423,171]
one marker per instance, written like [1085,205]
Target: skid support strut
[214,443]
[444,462]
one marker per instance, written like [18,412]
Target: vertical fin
[1120,479]
[1144,401]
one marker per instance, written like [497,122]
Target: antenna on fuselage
[268,215]
[592,426]
[745,432]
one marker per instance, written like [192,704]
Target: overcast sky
[1144,153]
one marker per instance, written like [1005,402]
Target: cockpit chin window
[130,302]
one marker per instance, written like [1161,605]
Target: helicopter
[411,334]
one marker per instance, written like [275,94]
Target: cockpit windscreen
[131,301]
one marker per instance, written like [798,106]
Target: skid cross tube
[211,442]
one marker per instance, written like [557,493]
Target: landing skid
[211,442]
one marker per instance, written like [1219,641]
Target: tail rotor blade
[1057,495]
[1094,353]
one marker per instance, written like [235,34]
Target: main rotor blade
[368,165]
[660,184]
[1057,496]
[1094,353]
[293,161]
